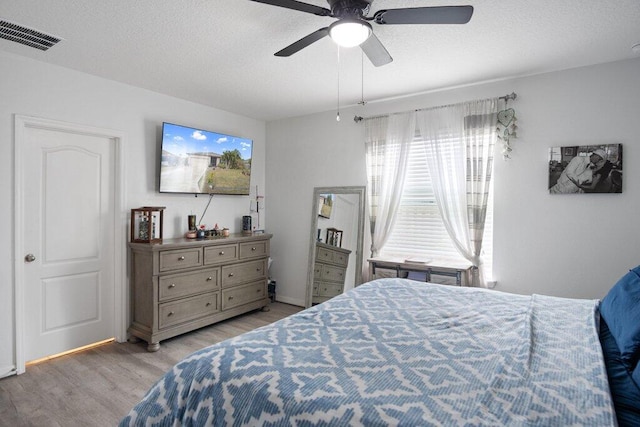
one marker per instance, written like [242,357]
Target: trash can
[271,289]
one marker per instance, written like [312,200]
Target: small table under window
[462,272]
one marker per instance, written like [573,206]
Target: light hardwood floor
[98,387]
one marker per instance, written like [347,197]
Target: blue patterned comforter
[398,352]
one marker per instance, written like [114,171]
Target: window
[418,231]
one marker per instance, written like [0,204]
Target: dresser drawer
[317,271]
[243,272]
[220,254]
[323,254]
[180,258]
[254,249]
[333,274]
[180,285]
[332,256]
[243,294]
[329,290]
[340,258]
[173,313]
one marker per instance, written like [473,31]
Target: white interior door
[68,188]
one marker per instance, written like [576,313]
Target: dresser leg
[265,308]
[133,339]
[153,347]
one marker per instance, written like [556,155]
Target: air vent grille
[26,36]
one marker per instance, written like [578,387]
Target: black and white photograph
[585,169]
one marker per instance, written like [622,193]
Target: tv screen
[197,161]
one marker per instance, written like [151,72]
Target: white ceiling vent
[26,36]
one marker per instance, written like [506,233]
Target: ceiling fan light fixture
[349,32]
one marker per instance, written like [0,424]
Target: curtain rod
[506,98]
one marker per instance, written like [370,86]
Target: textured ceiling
[220,52]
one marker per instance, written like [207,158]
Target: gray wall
[564,245]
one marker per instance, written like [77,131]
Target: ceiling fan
[353,28]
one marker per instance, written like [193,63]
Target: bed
[399,352]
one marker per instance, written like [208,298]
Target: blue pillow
[635,375]
[621,310]
[624,388]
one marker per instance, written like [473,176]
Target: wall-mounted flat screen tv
[197,161]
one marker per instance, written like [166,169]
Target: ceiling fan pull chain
[362,78]
[338,107]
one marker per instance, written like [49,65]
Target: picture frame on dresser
[334,237]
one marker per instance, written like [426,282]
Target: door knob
[29,258]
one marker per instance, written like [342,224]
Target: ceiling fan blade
[375,51]
[425,15]
[303,42]
[297,5]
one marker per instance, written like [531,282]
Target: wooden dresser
[184,284]
[329,272]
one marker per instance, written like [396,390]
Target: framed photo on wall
[585,169]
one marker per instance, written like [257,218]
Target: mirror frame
[360,191]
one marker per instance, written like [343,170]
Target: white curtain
[387,141]
[459,141]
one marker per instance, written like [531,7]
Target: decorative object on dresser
[334,237]
[184,284]
[246,225]
[329,272]
[146,224]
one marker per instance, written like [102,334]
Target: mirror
[336,240]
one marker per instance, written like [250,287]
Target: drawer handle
[181,258]
[173,285]
[209,279]
[230,274]
[208,304]
[258,269]
[170,314]
[221,253]
[253,248]
[258,291]
[230,298]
